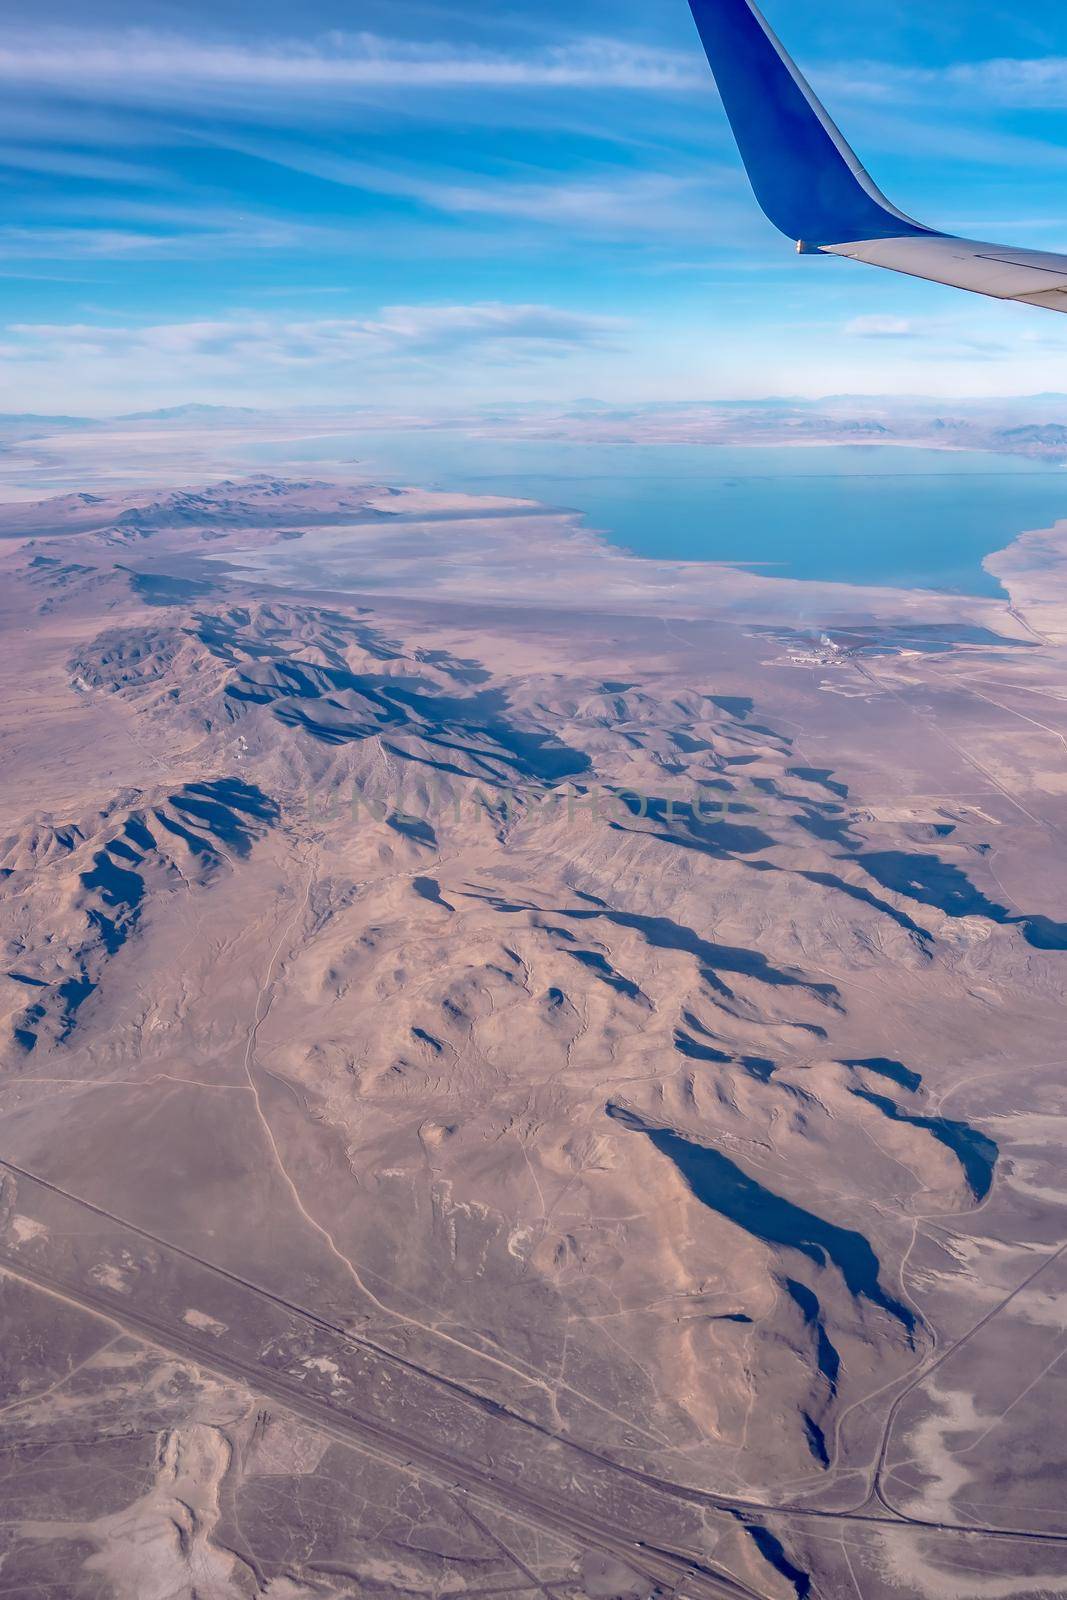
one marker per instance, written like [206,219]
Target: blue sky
[418,203]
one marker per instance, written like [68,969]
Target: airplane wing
[813,187]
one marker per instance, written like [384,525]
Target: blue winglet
[806,178]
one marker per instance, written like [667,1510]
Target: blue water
[870,514]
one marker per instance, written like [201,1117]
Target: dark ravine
[934,882]
[217,821]
[720,1184]
[976,1152]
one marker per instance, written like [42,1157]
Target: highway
[875,1510]
[681,1573]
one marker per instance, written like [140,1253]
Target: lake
[865,514]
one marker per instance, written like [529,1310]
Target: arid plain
[525,1070]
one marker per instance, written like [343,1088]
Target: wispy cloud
[1037,83]
[440,327]
[139,65]
[604,200]
[74,164]
[45,243]
[271,343]
[152,232]
[932,340]
[879,327]
[1026,84]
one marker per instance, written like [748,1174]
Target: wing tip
[806,177]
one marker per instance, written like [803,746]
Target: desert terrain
[526,1071]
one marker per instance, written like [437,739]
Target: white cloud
[937,339]
[1022,83]
[433,351]
[144,65]
[271,343]
[1026,84]
[60,244]
[626,201]
[140,65]
[607,200]
[74,164]
[162,232]
[880,327]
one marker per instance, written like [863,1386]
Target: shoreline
[179,457]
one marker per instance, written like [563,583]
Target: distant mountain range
[1034,427]
[188,413]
